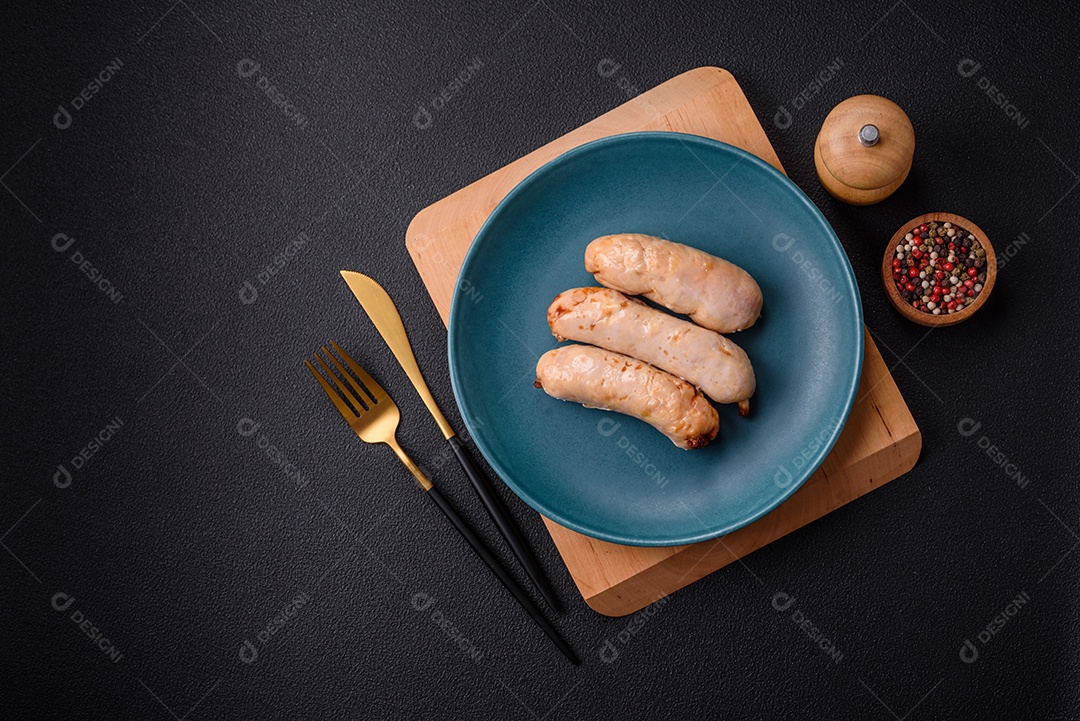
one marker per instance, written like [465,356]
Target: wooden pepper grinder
[864,150]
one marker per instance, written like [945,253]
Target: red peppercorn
[969,283]
[910,287]
[916,252]
[913,272]
[896,263]
[948,266]
[935,298]
[973,272]
[940,275]
[951,305]
[922,228]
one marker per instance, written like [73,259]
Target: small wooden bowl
[921,317]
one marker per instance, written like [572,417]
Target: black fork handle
[502,574]
[504,522]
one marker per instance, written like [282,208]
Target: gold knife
[380,308]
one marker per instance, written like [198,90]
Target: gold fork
[373,416]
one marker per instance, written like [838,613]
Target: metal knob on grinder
[864,150]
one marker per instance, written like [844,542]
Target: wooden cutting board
[879,443]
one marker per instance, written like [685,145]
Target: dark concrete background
[181,539]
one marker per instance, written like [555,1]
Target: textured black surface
[182,539]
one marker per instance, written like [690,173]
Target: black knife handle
[503,575]
[504,522]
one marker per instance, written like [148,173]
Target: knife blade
[380,307]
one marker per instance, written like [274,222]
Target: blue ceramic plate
[607,475]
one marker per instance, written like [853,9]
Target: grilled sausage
[597,378]
[608,319]
[715,294]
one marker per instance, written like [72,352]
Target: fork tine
[376,390]
[342,406]
[360,407]
[366,394]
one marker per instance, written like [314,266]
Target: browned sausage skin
[598,378]
[715,293]
[608,319]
